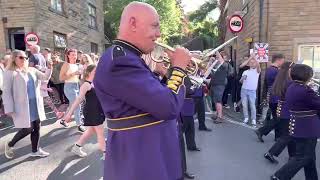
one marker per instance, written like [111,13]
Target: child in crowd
[92,111]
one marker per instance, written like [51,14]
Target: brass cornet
[159,55]
[204,62]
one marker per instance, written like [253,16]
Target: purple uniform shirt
[304,106]
[271,74]
[126,88]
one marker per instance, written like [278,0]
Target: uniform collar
[128,46]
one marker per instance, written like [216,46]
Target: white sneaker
[246,120]
[103,157]
[8,151]
[40,153]
[78,151]
[254,123]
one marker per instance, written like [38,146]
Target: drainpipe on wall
[261,84]
[261,19]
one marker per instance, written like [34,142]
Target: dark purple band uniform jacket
[282,106]
[304,107]
[188,108]
[271,74]
[141,113]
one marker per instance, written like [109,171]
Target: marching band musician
[185,124]
[304,107]
[141,112]
[279,88]
[200,107]
[187,117]
[271,73]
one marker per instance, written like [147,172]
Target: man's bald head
[140,25]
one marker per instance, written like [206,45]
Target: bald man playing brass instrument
[141,112]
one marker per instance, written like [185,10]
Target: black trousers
[229,89]
[226,93]
[34,130]
[182,148]
[201,111]
[189,131]
[305,157]
[285,140]
[271,124]
[60,87]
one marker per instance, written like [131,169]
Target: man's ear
[133,23]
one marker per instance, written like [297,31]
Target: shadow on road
[45,141]
[90,167]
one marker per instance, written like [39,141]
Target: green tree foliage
[204,10]
[204,27]
[169,11]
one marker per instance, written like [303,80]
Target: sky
[191,5]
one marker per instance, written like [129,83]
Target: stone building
[59,24]
[291,27]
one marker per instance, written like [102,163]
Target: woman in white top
[249,82]
[70,72]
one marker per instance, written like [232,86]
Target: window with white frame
[57,5]
[310,55]
[92,16]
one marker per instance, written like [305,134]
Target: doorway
[16,38]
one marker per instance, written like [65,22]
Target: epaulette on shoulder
[118,51]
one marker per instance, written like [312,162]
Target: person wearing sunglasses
[23,102]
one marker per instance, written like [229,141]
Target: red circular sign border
[241,22]
[25,38]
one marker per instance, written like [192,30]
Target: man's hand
[161,69]
[181,57]
[219,57]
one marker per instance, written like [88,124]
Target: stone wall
[19,13]
[38,16]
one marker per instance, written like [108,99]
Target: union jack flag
[261,50]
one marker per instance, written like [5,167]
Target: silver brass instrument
[204,61]
[315,85]
[158,55]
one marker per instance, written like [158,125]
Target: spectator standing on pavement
[249,81]
[230,83]
[243,67]
[92,111]
[85,61]
[23,102]
[55,80]
[70,73]
[218,83]
[36,58]
[47,54]
[79,55]
[3,63]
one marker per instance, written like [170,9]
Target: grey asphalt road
[230,152]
